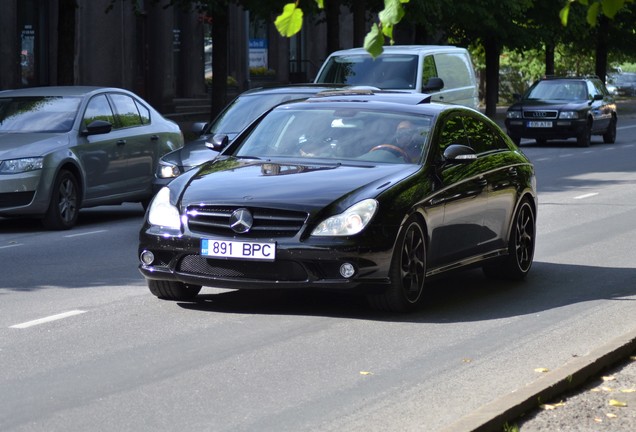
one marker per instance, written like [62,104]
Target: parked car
[625,84]
[66,148]
[367,191]
[444,72]
[244,109]
[562,108]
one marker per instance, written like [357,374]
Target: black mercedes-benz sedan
[349,190]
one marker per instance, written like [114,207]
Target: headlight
[167,170]
[569,115]
[162,213]
[351,221]
[14,166]
[514,114]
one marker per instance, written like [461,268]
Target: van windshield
[389,71]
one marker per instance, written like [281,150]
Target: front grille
[540,114]
[16,199]
[267,222]
[267,271]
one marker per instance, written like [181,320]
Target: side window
[454,70]
[126,110]
[596,88]
[452,133]
[98,109]
[482,136]
[144,112]
[428,69]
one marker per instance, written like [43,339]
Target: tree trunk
[66,42]
[220,27]
[493,50]
[549,58]
[602,47]
[358,9]
[332,12]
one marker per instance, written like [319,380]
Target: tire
[172,290]
[521,245]
[407,272]
[609,137]
[541,141]
[64,206]
[584,139]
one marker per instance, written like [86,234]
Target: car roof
[58,91]
[292,89]
[401,49]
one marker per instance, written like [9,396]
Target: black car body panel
[465,206]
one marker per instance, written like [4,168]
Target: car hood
[306,186]
[549,104]
[19,145]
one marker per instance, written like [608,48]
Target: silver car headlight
[15,166]
[568,115]
[167,170]
[513,114]
[162,213]
[350,222]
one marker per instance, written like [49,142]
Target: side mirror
[598,97]
[433,84]
[219,142]
[460,154]
[97,127]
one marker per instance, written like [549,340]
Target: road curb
[508,408]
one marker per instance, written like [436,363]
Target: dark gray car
[65,148]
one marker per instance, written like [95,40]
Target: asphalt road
[107,355]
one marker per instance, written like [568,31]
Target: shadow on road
[463,297]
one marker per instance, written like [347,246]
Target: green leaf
[564,14]
[392,12]
[592,13]
[611,7]
[321,4]
[374,41]
[290,21]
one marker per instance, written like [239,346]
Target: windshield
[558,90]
[245,109]
[38,114]
[389,71]
[335,133]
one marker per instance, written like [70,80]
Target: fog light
[347,270]
[147,257]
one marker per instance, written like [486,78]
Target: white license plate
[237,249]
[540,124]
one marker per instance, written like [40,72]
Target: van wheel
[63,209]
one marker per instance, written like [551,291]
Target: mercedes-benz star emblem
[241,220]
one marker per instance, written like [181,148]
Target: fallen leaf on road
[607,389]
[598,420]
[631,390]
[366,373]
[552,406]
[542,370]
[467,360]
[611,415]
[616,403]
[608,378]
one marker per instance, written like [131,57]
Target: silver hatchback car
[65,148]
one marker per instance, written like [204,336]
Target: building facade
[160,53]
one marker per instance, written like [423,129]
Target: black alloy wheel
[520,247]
[408,271]
[173,290]
[64,208]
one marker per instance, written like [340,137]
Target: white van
[444,72]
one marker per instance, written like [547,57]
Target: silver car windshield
[339,134]
[38,114]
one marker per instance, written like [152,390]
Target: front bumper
[557,129]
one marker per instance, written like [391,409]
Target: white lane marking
[48,319]
[11,245]
[626,127]
[588,195]
[85,233]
